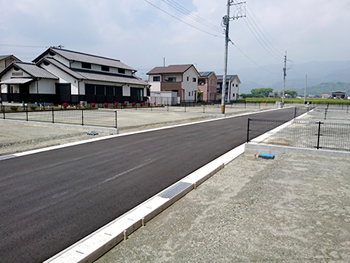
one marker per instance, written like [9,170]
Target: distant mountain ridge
[331,74]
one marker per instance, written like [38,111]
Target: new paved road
[52,199]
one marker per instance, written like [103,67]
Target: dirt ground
[295,208]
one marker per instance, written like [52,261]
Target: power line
[190,14]
[182,20]
[27,46]
[252,59]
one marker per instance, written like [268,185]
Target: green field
[297,101]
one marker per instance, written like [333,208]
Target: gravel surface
[295,208]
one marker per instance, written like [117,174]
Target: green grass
[297,101]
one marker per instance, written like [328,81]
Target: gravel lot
[295,208]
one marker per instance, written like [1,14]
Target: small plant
[14,108]
[106,104]
[141,104]
[149,104]
[65,105]
[133,104]
[125,104]
[33,107]
[116,104]
[93,105]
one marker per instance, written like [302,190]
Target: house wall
[43,86]
[209,88]
[63,77]
[155,85]
[60,59]
[189,85]
[95,67]
[234,90]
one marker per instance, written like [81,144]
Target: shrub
[93,104]
[125,104]
[33,107]
[14,108]
[106,104]
[116,103]
[141,104]
[133,104]
[65,105]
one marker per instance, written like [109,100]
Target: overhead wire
[193,16]
[251,59]
[204,31]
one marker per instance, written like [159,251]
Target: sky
[146,33]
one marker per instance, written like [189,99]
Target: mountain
[317,72]
[326,88]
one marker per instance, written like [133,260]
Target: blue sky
[141,35]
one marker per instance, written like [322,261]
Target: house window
[189,93]
[188,78]
[156,78]
[86,65]
[121,70]
[104,68]
[194,79]
[172,79]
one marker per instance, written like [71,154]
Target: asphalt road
[52,199]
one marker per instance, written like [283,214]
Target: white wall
[63,77]
[190,87]
[43,86]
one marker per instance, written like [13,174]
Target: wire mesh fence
[87,117]
[306,134]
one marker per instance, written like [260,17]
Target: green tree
[292,93]
[262,92]
[199,95]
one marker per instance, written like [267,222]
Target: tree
[262,92]
[292,93]
[199,95]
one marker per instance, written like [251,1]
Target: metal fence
[86,117]
[305,134]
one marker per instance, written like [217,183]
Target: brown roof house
[207,83]
[181,79]
[7,60]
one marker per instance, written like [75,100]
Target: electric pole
[284,77]
[305,89]
[226,22]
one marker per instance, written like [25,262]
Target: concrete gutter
[99,242]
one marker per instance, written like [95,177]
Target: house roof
[84,75]
[83,57]
[31,69]
[171,69]
[61,67]
[113,78]
[3,57]
[206,74]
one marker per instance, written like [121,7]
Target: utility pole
[284,77]
[226,22]
[305,89]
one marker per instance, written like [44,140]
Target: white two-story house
[81,77]
[182,79]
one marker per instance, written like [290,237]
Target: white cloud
[141,35]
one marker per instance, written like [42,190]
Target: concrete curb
[96,244]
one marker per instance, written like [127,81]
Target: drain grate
[174,190]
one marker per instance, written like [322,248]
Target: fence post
[203,108]
[115,118]
[318,135]
[26,109]
[295,112]
[3,110]
[53,116]
[82,117]
[248,128]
